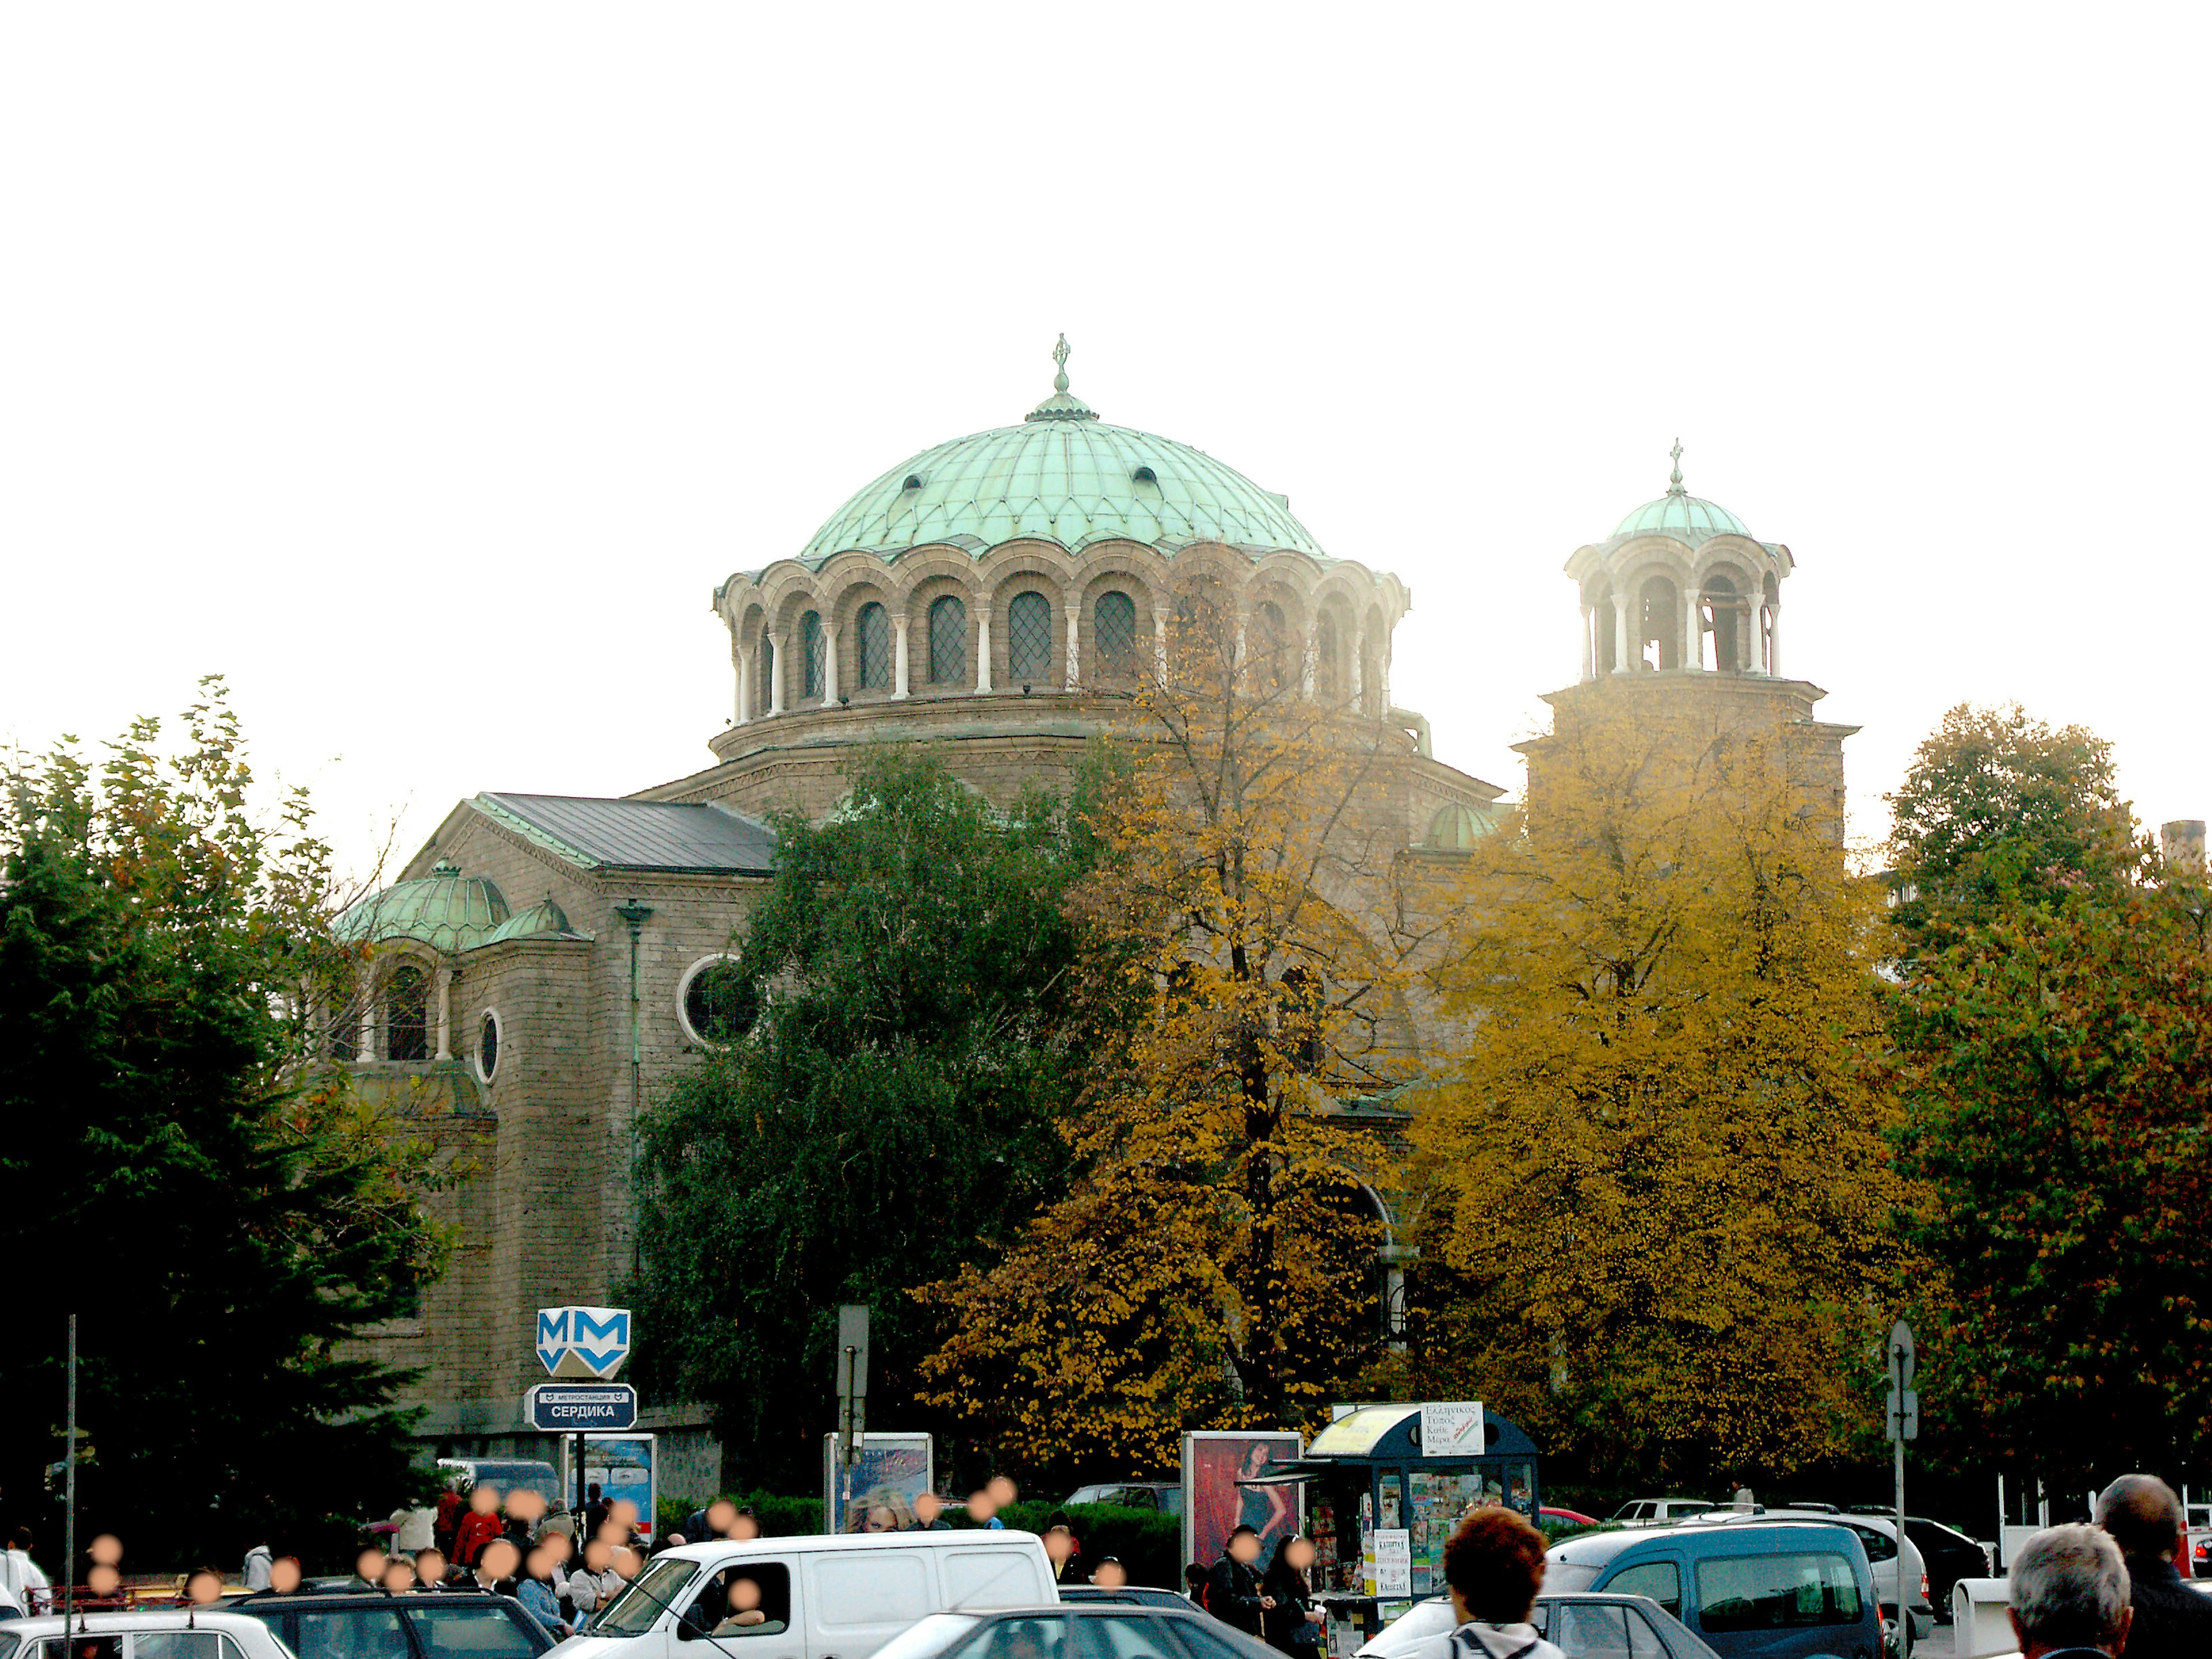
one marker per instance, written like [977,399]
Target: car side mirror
[686,1630]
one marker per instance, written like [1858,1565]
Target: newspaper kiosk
[1385,1485]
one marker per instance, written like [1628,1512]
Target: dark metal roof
[678,837]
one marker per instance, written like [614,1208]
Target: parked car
[1948,1555]
[140,1633]
[1657,1511]
[1134,1595]
[1581,1624]
[1163,1495]
[2198,1519]
[1877,1535]
[1568,1518]
[1074,1629]
[419,1625]
[507,1472]
[845,1593]
[1785,1590]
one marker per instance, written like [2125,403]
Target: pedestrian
[745,1526]
[1294,1624]
[595,1510]
[398,1575]
[451,1506]
[368,1567]
[1232,1589]
[479,1526]
[2145,1520]
[1060,1550]
[430,1569]
[284,1576]
[929,1514]
[535,1592]
[1193,1584]
[497,1563]
[203,1589]
[413,1527]
[2068,1595]
[1494,1564]
[982,1510]
[255,1572]
[1109,1573]
[23,1575]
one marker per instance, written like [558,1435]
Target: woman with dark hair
[1494,1564]
[1293,1624]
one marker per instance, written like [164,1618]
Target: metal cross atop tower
[1674,481]
[1060,356]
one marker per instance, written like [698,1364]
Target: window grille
[407,1016]
[809,641]
[1273,647]
[1029,637]
[875,648]
[1113,626]
[948,642]
[1325,657]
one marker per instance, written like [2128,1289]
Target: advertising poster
[894,1470]
[1214,1504]
[621,1464]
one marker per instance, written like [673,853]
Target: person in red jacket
[447,1525]
[479,1526]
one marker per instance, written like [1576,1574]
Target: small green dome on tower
[1066,475]
[1681,515]
[445,910]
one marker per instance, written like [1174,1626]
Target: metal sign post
[851,1378]
[1903,1425]
[582,1343]
[68,1529]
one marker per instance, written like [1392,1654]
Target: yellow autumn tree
[1210,1266]
[1662,1190]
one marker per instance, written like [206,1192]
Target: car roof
[965,1537]
[366,1598]
[1596,1548]
[133,1619]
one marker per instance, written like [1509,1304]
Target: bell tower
[1682,616]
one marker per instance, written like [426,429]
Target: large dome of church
[1065,475]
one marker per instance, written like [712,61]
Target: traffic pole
[69,1527]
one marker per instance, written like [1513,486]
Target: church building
[542,966]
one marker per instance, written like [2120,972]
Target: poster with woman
[1216,1465]
[894,1470]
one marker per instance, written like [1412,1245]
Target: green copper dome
[1682,516]
[1065,475]
[444,909]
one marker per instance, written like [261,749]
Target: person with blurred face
[368,1566]
[430,1570]
[1002,1490]
[745,1617]
[204,1587]
[537,1593]
[479,1526]
[743,1525]
[1060,1550]
[1109,1573]
[981,1509]
[929,1514]
[626,1562]
[496,1566]
[284,1576]
[398,1575]
[721,1516]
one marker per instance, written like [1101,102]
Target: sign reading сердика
[581,1342]
[583,1407]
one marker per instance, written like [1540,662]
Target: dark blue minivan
[1792,1590]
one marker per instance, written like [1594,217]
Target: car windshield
[1563,1577]
[459,1627]
[932,1636]
[647,1597]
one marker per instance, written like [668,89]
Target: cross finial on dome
[1674,480]
[1062,405]
[1060,357]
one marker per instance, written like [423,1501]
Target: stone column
[444,1013]
[1359,666]
[1774,642]
[1159,644]
[828,663]
[1623,661]
[365,988]
[1750,658]
[745,688]
[983,650]
[898,656]
[1308,668]
[1691,658]
[1589,646]
[777,646]
[1074,649]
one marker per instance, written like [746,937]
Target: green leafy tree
[903,1027]
[1998,809]
[177,1169]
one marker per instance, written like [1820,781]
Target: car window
[457,1629]
[81,1646]
[366,1632]
[640,1602]
[1565,1577]
[933,1635]
[1777,1592]
[1589,1629]
[859,1588]
[980,1580]
[1645,1641]
[1198,1636]
[1880,1546]
[1660,1580]
[182,1645]
[1020,1638]
[1129,1636]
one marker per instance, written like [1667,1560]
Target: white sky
[422,368]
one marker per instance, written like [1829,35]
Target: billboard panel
[1213,1502]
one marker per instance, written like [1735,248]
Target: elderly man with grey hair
[2069,1595]
[2144,1518]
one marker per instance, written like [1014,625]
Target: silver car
[141,1634]
[1582,1624]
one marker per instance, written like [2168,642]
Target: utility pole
[1903,1425]
[634,913]
[69,1527]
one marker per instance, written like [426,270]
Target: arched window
[948,642]
[764,663]
[811,651]
[1029,637]
[1660,642]
[1723,615]
[1325,675]
[1370,677]
[407,1014]
[1271,648]
[875,647]
[1113,630]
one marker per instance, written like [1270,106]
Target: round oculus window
[487,1045]
[719,1004]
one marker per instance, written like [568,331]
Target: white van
[837,1597]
